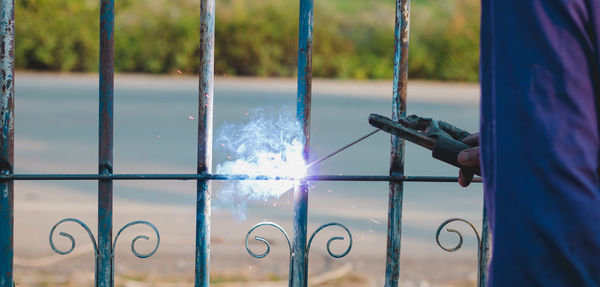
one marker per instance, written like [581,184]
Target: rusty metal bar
[104,264]
[392,270]
[205,133]
[299,264]
[7,97]
[484,249]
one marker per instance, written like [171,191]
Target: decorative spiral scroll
[332,239]
[140,255]
[460,237]
[480,270]
[265,241]
[70,237]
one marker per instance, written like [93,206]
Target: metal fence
[299,243]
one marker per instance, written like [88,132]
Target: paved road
[155,132]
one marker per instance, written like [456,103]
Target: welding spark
[268,145]
[377,222]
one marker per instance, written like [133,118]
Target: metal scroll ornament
[89,232]
[460,241]
[70,237]
[93,239]
[140,255]
[268,244]
[334,255]
[265,241]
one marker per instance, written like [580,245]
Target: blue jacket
[540,141]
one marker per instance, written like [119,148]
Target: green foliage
[56,35]
[445,40]
[352,38]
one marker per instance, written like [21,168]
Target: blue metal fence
[7,123]
[394,237]
[300,243]
[205,122]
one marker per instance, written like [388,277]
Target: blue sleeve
[540,141]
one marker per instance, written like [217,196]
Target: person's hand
[468,158]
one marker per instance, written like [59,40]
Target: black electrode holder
[433,135]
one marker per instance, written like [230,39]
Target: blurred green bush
[352,38]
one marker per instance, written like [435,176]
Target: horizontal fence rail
[388,178]
[299,241]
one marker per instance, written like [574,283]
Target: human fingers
[472,139]
[465,176]
[469,157]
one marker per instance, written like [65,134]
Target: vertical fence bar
[484,248]
[299,276]
[7,69]
[104,266]
[205,125]
[392,270]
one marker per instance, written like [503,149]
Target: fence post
[205,124]
[104,266]
[299,276]
[486,243]
[392,270]
[7,68]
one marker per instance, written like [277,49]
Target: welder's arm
[468,158]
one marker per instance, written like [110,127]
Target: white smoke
[269,144]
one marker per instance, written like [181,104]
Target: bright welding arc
[323,158]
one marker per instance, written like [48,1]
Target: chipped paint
[7,68]
[299,266]
[392,270]
[205,135]
[484,250]
[104,261]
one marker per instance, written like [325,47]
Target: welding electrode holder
[447,150]
[443,146]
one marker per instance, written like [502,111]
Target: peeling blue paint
[299,266]
[104,261]
[394,236]
[205,131]
[7,68]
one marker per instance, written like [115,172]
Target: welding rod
[317,161]
[323,158]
